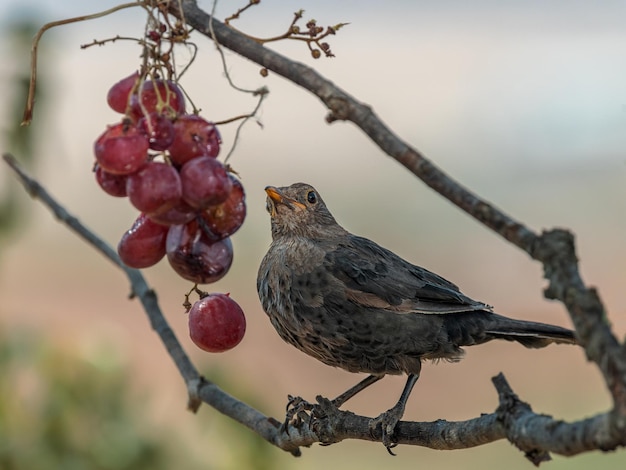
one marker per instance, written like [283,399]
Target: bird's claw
[388,422]
[297,410]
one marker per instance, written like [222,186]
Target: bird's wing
[375,277]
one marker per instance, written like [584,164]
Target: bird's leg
[390,418]
[362,385]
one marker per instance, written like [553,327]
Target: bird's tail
[528,333]
[466,329]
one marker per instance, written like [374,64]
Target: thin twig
[102,42]
[261,92]
[222,56]
[236,15]
[30,103]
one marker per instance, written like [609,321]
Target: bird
[351,303]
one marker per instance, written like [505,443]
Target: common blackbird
[351,303]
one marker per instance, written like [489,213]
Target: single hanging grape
[216,323]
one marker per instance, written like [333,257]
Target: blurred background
[523,102]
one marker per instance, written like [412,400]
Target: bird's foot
[388,421]
[298,410]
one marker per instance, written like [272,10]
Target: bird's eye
[311,197]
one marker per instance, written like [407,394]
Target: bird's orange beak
[279,198]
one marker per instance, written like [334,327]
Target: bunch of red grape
[190,204]
[164,161]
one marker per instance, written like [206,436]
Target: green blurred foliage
[68,409]
[60,410]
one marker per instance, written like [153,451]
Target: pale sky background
[523,102]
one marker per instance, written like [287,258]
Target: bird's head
[298,210]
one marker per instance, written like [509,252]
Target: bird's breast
[281,277]
[291,286]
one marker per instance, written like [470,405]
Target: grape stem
[202,294]
[260,92]
[30,102]
[102,42]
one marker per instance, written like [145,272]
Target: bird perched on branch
[353,304]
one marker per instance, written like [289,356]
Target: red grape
[194,136]
[158,96]
[159,129]
[154,188]
[121,149]
[118,95]
[216,323]
[115,185]
[195,256]
[205,182]
[225,219]
[143,245]
[177,215]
